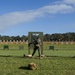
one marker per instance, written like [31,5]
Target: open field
[60,61]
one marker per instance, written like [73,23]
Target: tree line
[70,36]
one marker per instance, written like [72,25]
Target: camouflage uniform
[36,44]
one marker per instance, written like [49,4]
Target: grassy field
[61,61]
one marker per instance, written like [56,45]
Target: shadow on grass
[10,56]
[24,68]
[37,57]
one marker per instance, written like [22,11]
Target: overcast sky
[18,17]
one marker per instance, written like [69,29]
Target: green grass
[13,65]
[57,62]
[60,53]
